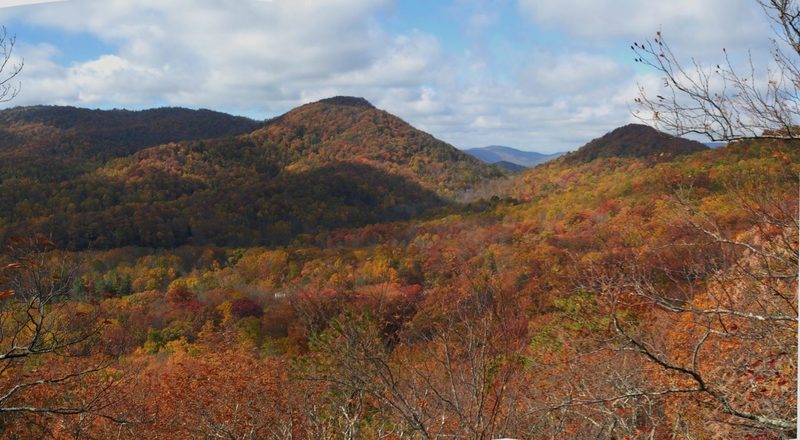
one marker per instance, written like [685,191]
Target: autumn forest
[336,273]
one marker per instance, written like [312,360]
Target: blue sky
[538,75]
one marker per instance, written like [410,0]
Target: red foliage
[179,295]
[244,307]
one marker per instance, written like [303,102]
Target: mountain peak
[635,126]
[345,128]
[634,140]
[350,101]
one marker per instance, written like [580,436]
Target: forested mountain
[634,140]
[335,163]
[53,142]
[334,273]
[512,167]
[351,129]
[577,300]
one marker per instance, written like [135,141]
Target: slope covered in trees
[499,154]
[643,287]
[335,163]
[351,129]
[53,142]
[545,313]
[634,140]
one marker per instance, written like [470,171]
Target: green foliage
[582,312]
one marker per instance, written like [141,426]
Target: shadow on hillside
[266,212]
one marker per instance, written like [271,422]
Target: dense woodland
[335,163]
[314,277]
[52,144]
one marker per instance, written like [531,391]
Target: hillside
[509,166]
[351,129]
[496,153]
[55,142]
[336,163]
[333,272]
[528,289]
[634,140]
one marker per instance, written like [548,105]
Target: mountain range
[56,142]
[507,157]
[171,176]
[336,272]
[168,177]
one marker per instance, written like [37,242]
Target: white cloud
[553,102]
[698,26]
[216,53]
[570,73]
[263,57]
[13,3]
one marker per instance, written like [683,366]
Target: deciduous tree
[39,325]
[729,100]
[9,68]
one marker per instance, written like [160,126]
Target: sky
[538,75]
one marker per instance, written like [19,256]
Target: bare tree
[450,380]
[39,324]
[721,333]
[725,102]
[9,69]
[733,304]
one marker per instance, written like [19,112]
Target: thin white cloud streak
[15,3]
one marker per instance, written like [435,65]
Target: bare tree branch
[725,102]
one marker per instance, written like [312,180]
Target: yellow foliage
[376,270]
[180,345]
[225,311]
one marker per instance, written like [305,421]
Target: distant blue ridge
[498,153]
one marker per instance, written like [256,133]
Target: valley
[317,274]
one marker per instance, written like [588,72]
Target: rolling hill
[56,142]
[335,163]
[525,284]
[511,167]
[634,140]
[351,129]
